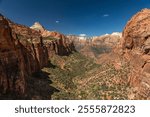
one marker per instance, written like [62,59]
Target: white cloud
[57,21]
[106,15]
[82,35]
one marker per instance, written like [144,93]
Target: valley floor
[78,77]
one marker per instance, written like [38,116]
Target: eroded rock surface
[24,51]
[12,67]
[136,46]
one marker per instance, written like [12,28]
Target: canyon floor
[78,78]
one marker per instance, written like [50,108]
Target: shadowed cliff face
[12,69]
[24,51]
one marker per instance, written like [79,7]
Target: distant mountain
[96,45]
[107,39]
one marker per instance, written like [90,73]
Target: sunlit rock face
[108,39]
[37,26]
[94,46]
[136,46]
[136,34]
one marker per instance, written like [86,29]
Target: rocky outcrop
[136,47]
[136,34]
[24,51]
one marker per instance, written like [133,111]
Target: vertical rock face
[59,46]
[34,50]
[12,69]
[136,45]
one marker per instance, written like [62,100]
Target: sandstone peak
[37,26]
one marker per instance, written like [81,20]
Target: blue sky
[91,17]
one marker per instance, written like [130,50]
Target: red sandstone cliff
[136,48]
[24,51]
[55,42]
[12,64]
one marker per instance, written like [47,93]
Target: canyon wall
[136,50]
[24,51]
[12,64]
